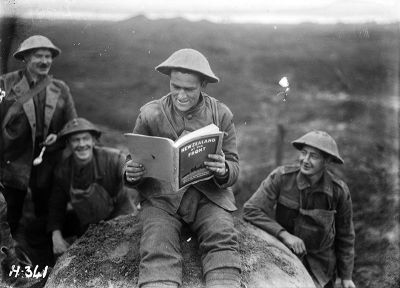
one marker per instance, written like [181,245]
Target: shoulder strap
[160,102]
[35,90]
[334,198]
[214,107]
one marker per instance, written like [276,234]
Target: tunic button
[8,162]
[190,116]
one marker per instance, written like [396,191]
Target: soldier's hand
[217,165]
[50,139]
[294,243]
[133,171]
[348,283]
[59,244]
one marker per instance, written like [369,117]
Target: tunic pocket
[316,228]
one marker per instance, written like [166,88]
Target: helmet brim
[20,55]
[299,145]
[166,70]
[95,133]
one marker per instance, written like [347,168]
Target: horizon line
[237,19]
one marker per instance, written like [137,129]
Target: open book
[181,162]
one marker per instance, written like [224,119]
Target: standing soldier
[313,214]
[35,108]
[206,206]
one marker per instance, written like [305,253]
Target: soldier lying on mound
[313,214]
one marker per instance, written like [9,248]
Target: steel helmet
[322,141]
[36,42]
[189,59]
[77,125]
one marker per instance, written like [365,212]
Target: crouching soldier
[313,214]
[90,179]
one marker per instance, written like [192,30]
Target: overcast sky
[266,11]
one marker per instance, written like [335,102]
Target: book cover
[182,162]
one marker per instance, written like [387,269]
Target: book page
[155,153]
[206,130]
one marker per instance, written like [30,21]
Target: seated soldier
[90,179]
[313,214]
[206,206]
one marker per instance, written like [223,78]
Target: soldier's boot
[160,284]
[223,278]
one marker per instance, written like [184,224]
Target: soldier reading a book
[205,206]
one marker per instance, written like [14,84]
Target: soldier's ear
[204,84]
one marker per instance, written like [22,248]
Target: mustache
[81,148]
[43,65]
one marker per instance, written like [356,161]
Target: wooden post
[279,143]
[7,34]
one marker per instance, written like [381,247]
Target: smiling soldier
[313,214]
[90,179]
[205,207]
[34,109]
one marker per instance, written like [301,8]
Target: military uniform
[29,112]
[205,206]
[95,191]
[320,215]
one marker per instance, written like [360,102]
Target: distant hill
[110,65]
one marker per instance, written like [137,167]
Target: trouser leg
[15,203]
[160,284]
[218,243]
[40,244]
[161,259]
[40,199]
[223,278]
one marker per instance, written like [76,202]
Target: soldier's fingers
[216,157]
[135,174]
[299,249]
[134,169]
[132,163]
[216,165]
[303,247]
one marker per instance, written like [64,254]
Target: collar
[323,185]
[29,78]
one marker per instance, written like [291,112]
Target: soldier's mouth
[81,149]
[183,101]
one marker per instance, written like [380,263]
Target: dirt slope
[108,256]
